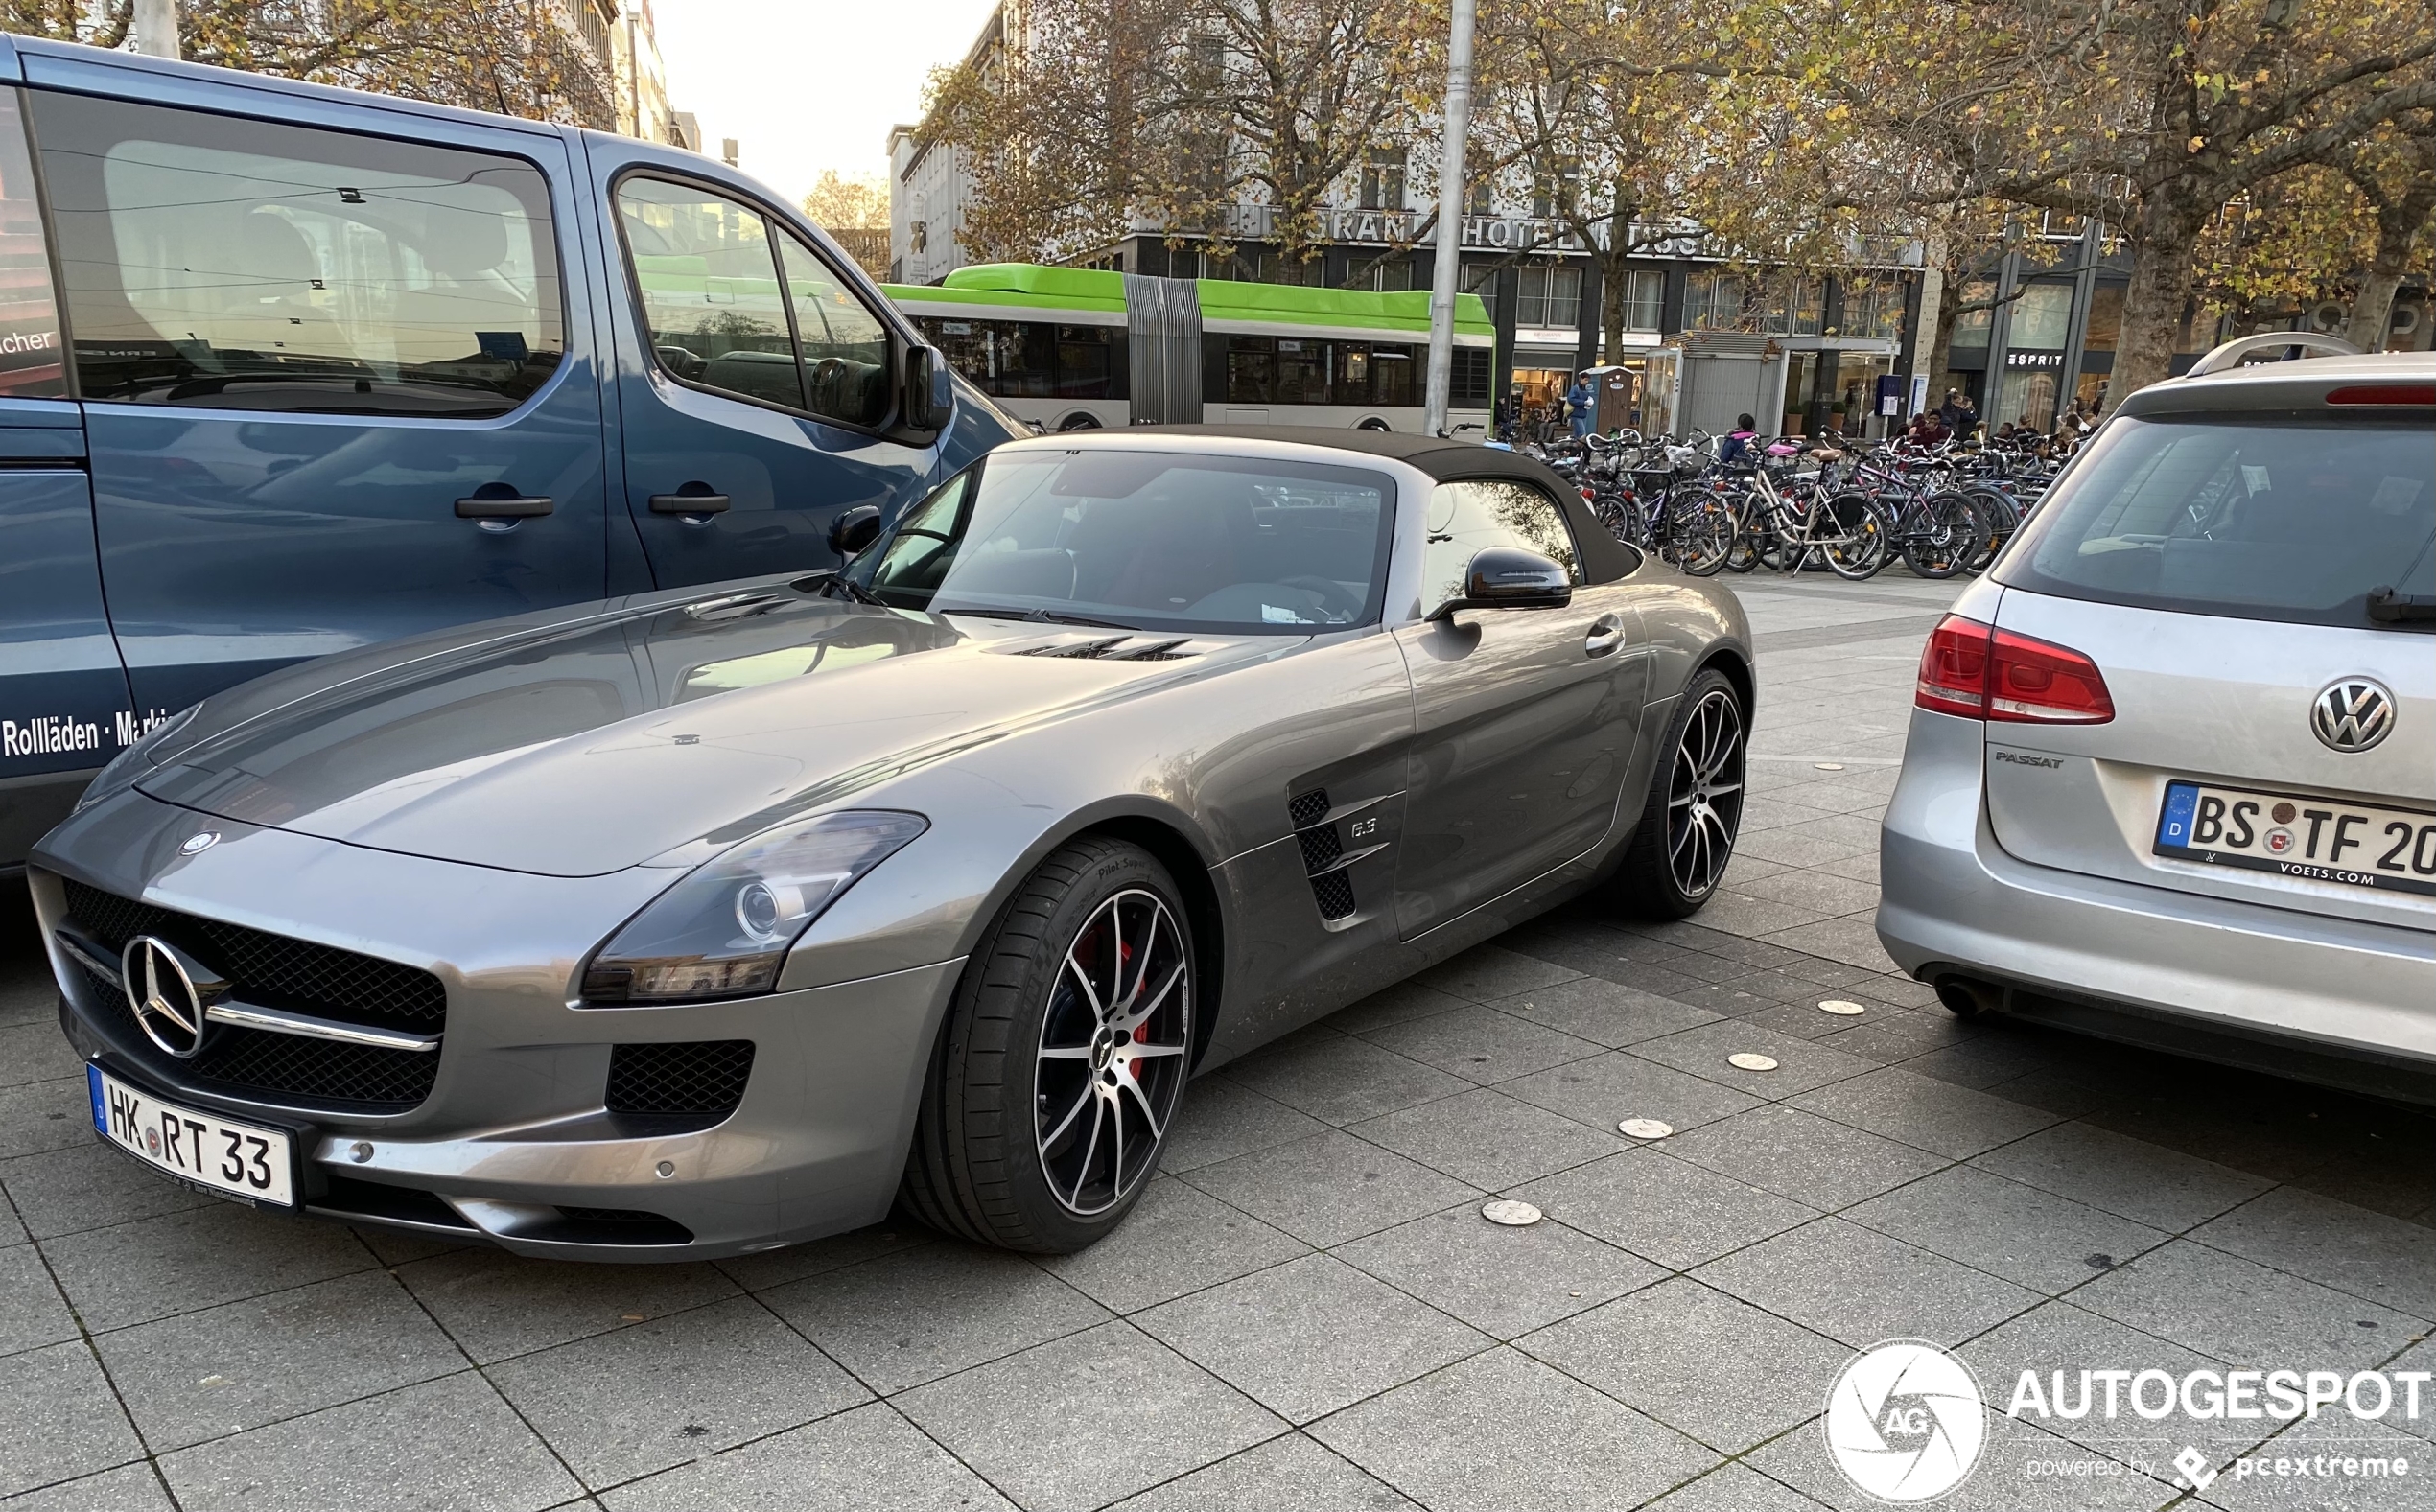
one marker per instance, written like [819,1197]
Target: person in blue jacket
[1583,404]
[1736,447]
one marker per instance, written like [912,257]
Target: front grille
[320,1074]
[701,1079]
[275,971]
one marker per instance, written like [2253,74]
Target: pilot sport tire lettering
[1686,835]
[1062,1061]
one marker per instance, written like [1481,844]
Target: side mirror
[1510,577]
[930,393]
[855,529]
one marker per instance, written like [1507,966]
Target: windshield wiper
[833,577]
[1037,617]
[2389,608]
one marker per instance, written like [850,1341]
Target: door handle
[496,502]
[1607,633]
[705,502]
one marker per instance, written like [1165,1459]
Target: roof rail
[2231,354]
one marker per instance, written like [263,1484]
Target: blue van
[287,369]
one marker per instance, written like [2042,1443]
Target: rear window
[2249,517]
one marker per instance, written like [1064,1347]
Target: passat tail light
[1979,672]
[1954,668]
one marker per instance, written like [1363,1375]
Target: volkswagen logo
[2353,713]
[169,993]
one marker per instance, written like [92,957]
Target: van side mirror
[930,393]
[853,529]
[1510,577]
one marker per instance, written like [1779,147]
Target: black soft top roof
[1604,558]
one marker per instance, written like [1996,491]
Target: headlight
[726,928]
[130,765]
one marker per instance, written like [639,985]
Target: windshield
[1144,541]
[2253,517]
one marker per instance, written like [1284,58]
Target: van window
[845,346]
[242,264]
[32,364]
[731,300]
[710,289]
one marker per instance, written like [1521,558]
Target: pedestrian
[1961,415]
[1926,428]
[1736,447]
[1583,404]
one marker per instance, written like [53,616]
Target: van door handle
[1607,633]
[496,502]
[704,504]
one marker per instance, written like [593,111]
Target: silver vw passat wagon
[2172,775]
[707,922]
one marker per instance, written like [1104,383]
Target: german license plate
[241,1159]
[2321,838]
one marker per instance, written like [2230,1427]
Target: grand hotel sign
[1257,222]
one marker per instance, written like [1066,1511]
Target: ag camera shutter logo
[1906,1421]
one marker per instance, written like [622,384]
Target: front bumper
[513,1143]
[1953,903]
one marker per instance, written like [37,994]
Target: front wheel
[1062,1061]
[1685,837]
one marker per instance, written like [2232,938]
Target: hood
[614,736]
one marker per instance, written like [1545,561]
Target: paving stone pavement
[1308,1311]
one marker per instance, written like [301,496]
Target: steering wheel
[1331,594]
[829,371]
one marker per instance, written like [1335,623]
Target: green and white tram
[1076,349]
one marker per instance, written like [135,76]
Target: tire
[1946,532]
[980,1168]
[1698,537]
[1859,558]
[1650,882]
[1084,421]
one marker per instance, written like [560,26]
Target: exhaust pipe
[1966,998]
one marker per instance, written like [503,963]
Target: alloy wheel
[1705,794]
[1111,1054]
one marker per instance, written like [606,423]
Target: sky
[804,85]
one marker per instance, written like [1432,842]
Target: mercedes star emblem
[2353,713]
[169,993]
[198,843]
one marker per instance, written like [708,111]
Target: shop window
[1979,313]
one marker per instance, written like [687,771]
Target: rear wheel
[1942,534]
[1679,849]
[1860,548]
[1062,1061]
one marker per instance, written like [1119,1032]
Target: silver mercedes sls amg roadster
[705,922]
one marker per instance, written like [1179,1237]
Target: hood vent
[1116,648]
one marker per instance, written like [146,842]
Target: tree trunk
[2375,305]
[2153,305]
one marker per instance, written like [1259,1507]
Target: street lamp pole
[1450,205]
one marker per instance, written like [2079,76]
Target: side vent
[1324,857]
